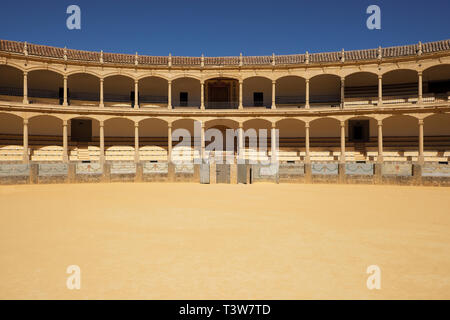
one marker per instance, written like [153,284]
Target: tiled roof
[323,57]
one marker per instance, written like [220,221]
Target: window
[183,99]
[258,99]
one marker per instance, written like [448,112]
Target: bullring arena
[354,172]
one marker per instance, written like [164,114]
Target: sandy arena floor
[192,241]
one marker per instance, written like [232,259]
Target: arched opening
[45,138]
[11,137]
[153,141]
[436,83]
[186,93]
[118,91]
[221,93]
[119,139]
[291,140]
[257,92]
[362,137]
[83,139]
[290,92]
[45,86]
[83,89]
[361,88]
[257,139]
[400,86]
[401,138]
[183,143]
[11,84]
[325,91]
[436,131]
[226,131]
[153,92]
[324,139]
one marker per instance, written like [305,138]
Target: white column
[65,91]
[307,94]
[241,106]
[420,95]
[65,149]
[169,94]
[380,141]
[273,143]
[136,94]
[202,95]
[136,142]
[25,87]
[169,142]
[102,142]
[342,92]
[25,141]
[241,142]
[380,90]
[273,94]
[421,155]
[307,156]
[101,93]
[342,158]
[202,142]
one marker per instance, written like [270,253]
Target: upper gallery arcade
[415,75]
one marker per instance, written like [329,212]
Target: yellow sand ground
[192,241]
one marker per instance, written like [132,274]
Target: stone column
[307,94]
[307,156]
[65,91]
[136,94]
[241,143]
[169,94]
[342,92]
[25,87]
[65,148]
[420,93]
[380,90]
[241,106]
[26,159]
[102,142]
[380,141]
[273,94]
[342,158]
[273,143]
[202,142]
[136,142]
[421,155]
[202,95]
[101,93]
[169,142]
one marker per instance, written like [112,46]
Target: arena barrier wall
[428,174]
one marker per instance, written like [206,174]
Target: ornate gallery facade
[371,115]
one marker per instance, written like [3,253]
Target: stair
[360,150]
[83,152]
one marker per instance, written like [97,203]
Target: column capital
[65,76]
[136,124]
[25,121]
[307,125]
[136,81]
[342,79]
[380,76]
[102,79]
[169,81]
[25,73]
[274,81]
[380,123]
[169,125]
[101,123]
[420,122]
[420,72]
[241,81]
[274,125]
[65,123]
[241,125]
[342,123]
